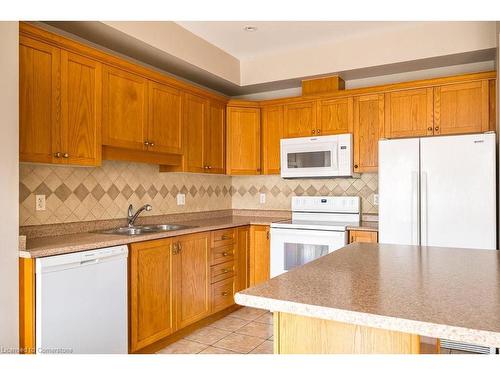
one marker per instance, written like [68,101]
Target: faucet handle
[130,211]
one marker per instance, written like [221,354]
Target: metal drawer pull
[57,155]
[226,237]
[224,254]
[65,155]
[225,270]
[224,294]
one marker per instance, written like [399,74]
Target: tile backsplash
[85,194]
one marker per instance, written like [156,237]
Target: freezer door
[399,191]
[458,189]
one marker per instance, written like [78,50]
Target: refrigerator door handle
[415,209]
[424,222]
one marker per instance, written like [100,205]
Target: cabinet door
[368,128]
[39,105]
[461,108]
[151,292]
[300,119]
[215,140]
[195,120]
[335,116]
[243,141]
[259,254]
[124,106]
[363,236]
[409,113]
[80,109]
[164,119]
[192,280]
[242,255]
[272,132]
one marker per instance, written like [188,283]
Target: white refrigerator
[438,191]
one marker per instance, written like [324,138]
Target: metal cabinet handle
[65,155]
[225,237]
[205,167]
[209,167]
[314,131]
[151,144]
[355,166]
[180,246]
[436,128]
[225,270]
[57,155]
[224,294]
[317,131]
[267,234]
[429,128]
[146,143]
[224,254]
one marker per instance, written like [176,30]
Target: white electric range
[318,227]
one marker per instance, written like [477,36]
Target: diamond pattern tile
[104,192]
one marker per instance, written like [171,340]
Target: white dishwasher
[81,302]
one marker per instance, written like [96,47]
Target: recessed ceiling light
[250,29]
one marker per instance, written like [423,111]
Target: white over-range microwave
[324,156]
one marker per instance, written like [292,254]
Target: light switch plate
[181,199]
[375,199]
[262,198]
[40,202]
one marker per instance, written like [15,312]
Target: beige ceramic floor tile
[265,348]
[229,323]
[266,318]
[214,350]
[183,347]
[256,329]
[248,313]
[207,335]
[239,343]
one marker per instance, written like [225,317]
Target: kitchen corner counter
[70,243]
[371,226]
[430,291]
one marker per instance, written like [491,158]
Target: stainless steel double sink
[144,229]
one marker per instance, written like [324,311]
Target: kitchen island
[377,298]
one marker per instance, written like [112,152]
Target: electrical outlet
[181,199]
[40,202]
[375,199]
[262,198]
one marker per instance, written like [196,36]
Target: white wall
[417,40]
[9,184]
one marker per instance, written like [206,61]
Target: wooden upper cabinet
[80,126]
[215,138]
[124,109]
[368,128]
[300,119]
[39,105]
[409,113]
[152,314]
[164,119]
[243,141]
[335,116]
[461,108]
[195,110]
[272,132]
[191,260]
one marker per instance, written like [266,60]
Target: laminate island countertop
[429,291]
[70,243]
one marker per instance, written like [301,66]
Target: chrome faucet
[131,217]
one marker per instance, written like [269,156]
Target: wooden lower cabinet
[363,236]
[259,262]
[151,292]
[191,277]
[242,258]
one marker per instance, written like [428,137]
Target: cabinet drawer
[222,271]
[223,237]
[221,254]
[223,294]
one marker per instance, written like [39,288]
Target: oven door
[292,248]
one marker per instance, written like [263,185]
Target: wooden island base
[297,334]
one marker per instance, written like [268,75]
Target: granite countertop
[70,243]
[431,291]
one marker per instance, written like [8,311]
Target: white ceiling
[278,36]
